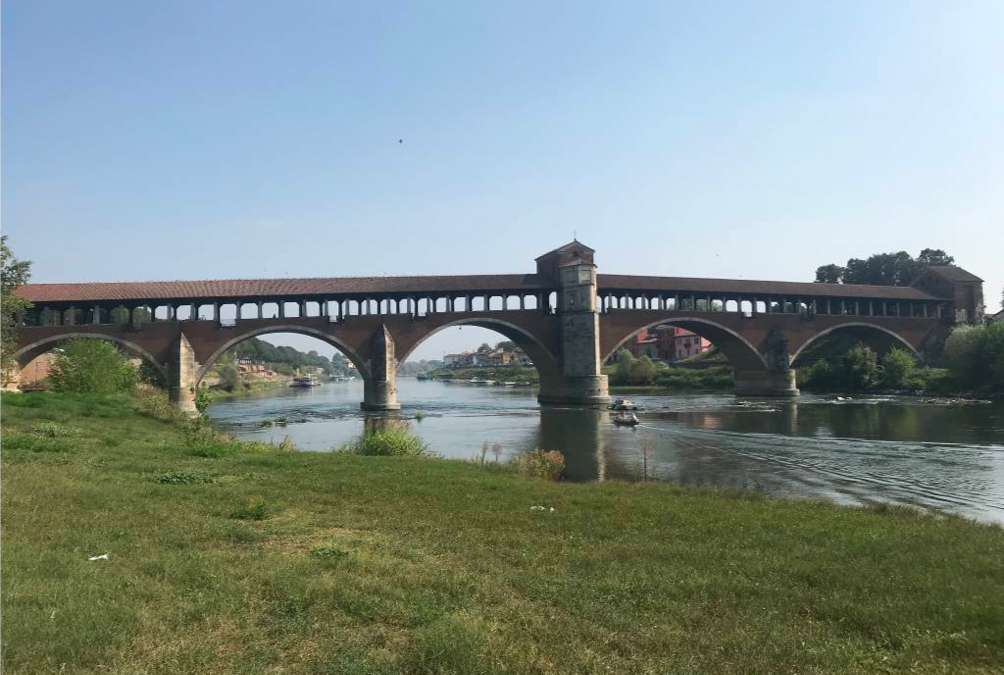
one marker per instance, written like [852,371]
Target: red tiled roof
[952,273]
[274,288]
[224,289]
[624,282]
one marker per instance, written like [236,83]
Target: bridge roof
[230,289]
[275,288]
[624,282]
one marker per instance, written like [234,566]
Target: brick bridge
[568,318]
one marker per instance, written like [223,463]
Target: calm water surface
[891,449]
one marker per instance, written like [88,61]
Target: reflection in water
[869,450]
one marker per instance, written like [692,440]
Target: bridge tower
[580,380]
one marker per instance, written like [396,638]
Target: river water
[896,450]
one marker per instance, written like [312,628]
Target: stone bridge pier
[380,383]
[182,375]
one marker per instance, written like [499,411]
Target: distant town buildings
[668,343]
[496,358]
[252,367]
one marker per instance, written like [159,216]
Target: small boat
[478,380]
[623,420]
[305,381]
[623,404]
[422,376]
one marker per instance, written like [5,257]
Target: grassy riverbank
[234,558]
[242,390]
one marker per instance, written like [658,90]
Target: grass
[391,440]
[413,565]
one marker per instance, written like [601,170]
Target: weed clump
[393,439]
[183,478]
[254,509]
[540,464]
[54,430]
[329,552]
[33,443]
[204,442]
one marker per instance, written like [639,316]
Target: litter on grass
[99,557]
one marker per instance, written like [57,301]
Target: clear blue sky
[204,139]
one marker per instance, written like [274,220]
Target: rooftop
[270,290]
[624,282]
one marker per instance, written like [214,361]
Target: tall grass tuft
[540,464]
[253,509]
[393,439]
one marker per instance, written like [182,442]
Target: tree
[507,345]
[484,348]
[898,368]
[641,371]
[622,373]
[975,356]
[883,269]
[829,274]
[229,379]
[13,273]
[90,366]
[861,365]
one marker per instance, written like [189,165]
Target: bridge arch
[543,359]
[868,333]
[350,353]
[28,353]
[741,354]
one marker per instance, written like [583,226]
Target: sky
[194,140]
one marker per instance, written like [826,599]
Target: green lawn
[256,560]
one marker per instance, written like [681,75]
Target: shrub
[54,430]
[641,371]
[393,439]
[975,356]
[183,478]
[861,366]
[204,442]
[92,366]
[899,369]
[33,443]
[540,464]
[253,509]
[229,378]
[155,403]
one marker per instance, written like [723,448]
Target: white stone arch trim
[856,324]
[338,344]
[687,319]
[131,346]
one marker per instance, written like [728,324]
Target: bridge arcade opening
[565,316]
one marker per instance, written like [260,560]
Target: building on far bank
[497,358]
[669,343]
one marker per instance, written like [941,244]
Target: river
[896,450]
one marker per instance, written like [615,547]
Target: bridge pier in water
[766,383]
[380,383]
[580,380]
